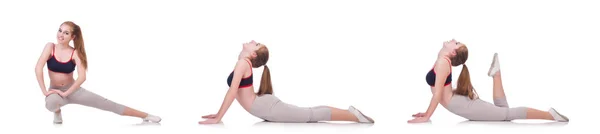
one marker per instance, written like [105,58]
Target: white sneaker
[557,116]
[58,118]
[152,118]
[361,117]
[495,67]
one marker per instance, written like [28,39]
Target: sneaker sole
[155,121]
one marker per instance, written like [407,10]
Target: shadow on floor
[314,125]
[512,124]
[145,123]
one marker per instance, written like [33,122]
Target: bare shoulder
[49,45]
[75,55]
[242,63]
[442,64]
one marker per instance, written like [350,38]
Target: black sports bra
[60,66]
[430,78]
[246,82]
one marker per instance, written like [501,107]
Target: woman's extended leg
[87,98]
[500,96]
[341,115]
[351,114]
[500,100]
[270,108]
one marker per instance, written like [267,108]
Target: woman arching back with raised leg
[463,100]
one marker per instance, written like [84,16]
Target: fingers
[50,92]
[412,121]
[209,121]
[209,116]
[418,115]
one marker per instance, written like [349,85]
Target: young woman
[463,101]
[62,60]
[266,106]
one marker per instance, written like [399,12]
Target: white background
[172,58]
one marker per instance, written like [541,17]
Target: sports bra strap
[54,48]
[449,62]
[249,63]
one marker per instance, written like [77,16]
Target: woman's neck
[62,46]
[443,54]
[243,56]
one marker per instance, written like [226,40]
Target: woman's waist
[60,77]
[446,99]
[246,101]
[61,84]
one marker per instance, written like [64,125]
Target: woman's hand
[419,120]
[210,116]
[47,93]
[61,93]
[210,121]
[419,115]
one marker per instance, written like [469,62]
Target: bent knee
[53,102]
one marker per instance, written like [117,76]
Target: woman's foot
[361,117]
[495,67]
[557,116]
[58,118]
[152,118]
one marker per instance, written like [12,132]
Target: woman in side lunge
[266,106]
[62,61]
[463,101]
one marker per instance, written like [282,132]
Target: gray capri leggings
[270,108]
[479,110]
[83,97]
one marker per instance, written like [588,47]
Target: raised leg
[494,72]
[516,113]
[499,95]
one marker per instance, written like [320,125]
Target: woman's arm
[441,72]
[240,69]
[39,71]
[80,76]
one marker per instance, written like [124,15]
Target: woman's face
[64,34]
[451,46]
[252,46]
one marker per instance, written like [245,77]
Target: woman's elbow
[38,71]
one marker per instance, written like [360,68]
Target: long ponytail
[464,86]
[262,56]
[78,41]
[265,82]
